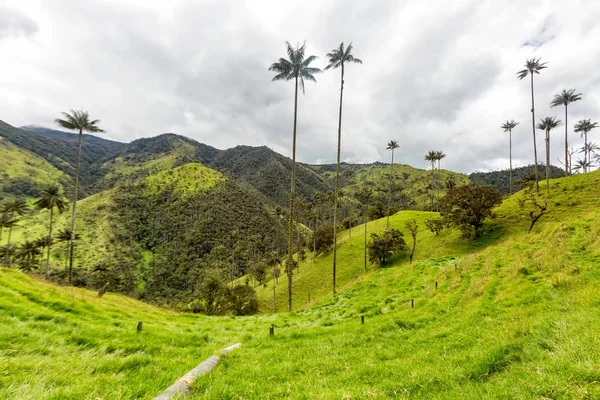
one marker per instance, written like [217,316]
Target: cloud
[14,23]
[436,75]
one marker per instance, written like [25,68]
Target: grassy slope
[20,164]
[515,318]
[93,221]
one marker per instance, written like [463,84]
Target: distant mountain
[95,146]
[501,179]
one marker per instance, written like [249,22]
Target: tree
[242,300]
[386,245]
[297,68]
[392,145]
[589,149]
[547,124]
[12,208]
[412,228]
[51,197]
[212,291]
[467,207]
[77,120]
[533,66]
[530,203]
[323,238]
[584,127]
[508,126]
[432,158]
[435,225]
[337,58]
[6,221]
[582,165]
[565,98]
[439,155]
[64,236]
[27,252]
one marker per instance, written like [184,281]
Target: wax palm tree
[588,149]
[508,126]
[42,244]
[532,67]
[565,98]
[439,155]
[7,251]
[392,145]
[547,124]
[337,59]
[64,236]
[27,252]
[6,221]
[12,208]
[298,69]
[51,197]
[432,158]
[77,120]
[582,164]
[584,127]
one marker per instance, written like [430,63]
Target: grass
[513,316]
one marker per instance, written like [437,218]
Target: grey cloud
[15,23]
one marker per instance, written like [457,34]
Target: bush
[242,300]
[381,248]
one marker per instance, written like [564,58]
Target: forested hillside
[522,175]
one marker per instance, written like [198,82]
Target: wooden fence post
[139,327]
[272,330]
[362,319]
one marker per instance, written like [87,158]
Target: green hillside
[514,315]
[24,173]
[411,186]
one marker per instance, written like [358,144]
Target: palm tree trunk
[587,154]
[431,191]
[510,160]
[1,234]
[289,269]
[537,185]
[8,245]
[337,182]
[74,217]
[548,162]
[366,222]
[49,242]
[387,223]
[566,144]
[274,287]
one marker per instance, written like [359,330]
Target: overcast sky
[437,75]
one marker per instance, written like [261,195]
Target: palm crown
[548,123]
[79,120]
[14,206]
[532,66]
[566,97]
[509,125]
[431,156]
[50,198]
[297,67]
[585,125]
[338,57]
[392,144]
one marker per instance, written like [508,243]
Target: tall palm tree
[439,155]
[588,149]
[51,197]
[27,252]
[64,236]
[11,208]
[297,68]
[432,158]
[533,66]
[6,221]
[547,124]
[582,165]
[392,145]
[337,59]
[584,127]
[565,98]
[77,120]
[508,126]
